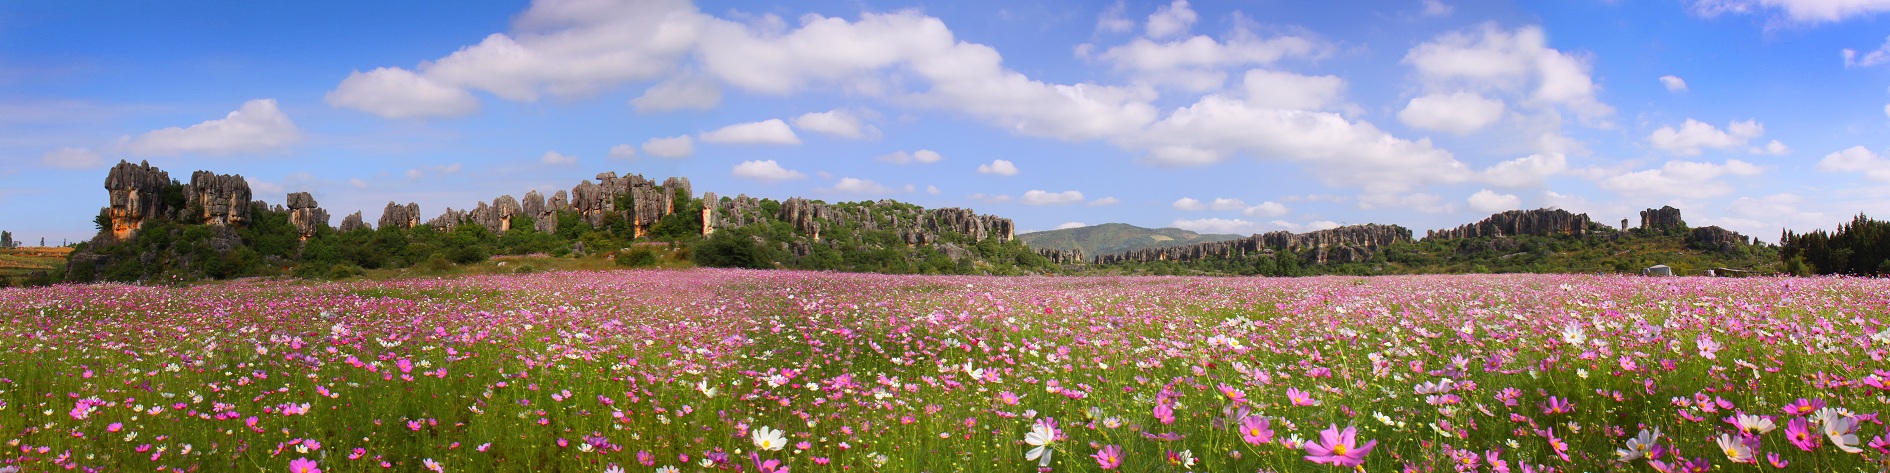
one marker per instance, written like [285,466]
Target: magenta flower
[1558,405]
[1799,432]
[1804,407]
[1109,457]
[1256,430]
[303,465]
[1164,413]
[1338,448]
[1300,398]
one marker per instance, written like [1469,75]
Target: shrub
[636,257]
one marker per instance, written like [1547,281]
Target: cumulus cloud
[1806,11]
[1216,225]
[675,147]
[1172,19]
[860,186]
[1774,148]
[1224,203]
[924,156]
[257,127]
[1115,19]
[683,92]
[1694,134]
[931,190]
[1070,225]
[1490,202]
[1457,113]
[1265,209]
[1688,179]
[767,132]
[399,93]
[623,151]
[1274,89]
[1436,8]
[999,167]
[72,158]
[1037,197]
[554,158]
[1104,201]
[1674,83]
[1527,171]
[768,171]
[1307,227]
[1857,160]
[839,123]
[1188,203]
[1489,58]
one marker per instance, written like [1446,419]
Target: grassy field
[722,370]
[16,263]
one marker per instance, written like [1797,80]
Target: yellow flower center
[1338,449]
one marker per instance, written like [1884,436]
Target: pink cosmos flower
[1109,457]
[1338,448]
[1799,433]
[303,465]
[1256,430]
[1804,407]
[1300,398]
[1558,405]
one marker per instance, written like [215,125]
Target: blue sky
[1214,116]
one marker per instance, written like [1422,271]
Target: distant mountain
[1116,238]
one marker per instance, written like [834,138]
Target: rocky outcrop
[1522,222]
[915,226]
[498,216]
[137,194]
[1716,239]
[221,199]
[306,215]
[352,222]
[1071,256]
[448,220]
[1661,218]
[1347,244]
[399,216]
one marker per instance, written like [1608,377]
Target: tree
[6,239]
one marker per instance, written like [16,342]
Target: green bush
[731,250]
[636,257]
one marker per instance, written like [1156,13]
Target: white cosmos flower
[1842,430]
[1040,437]
[770,439]
[1736,451]
[1638,446]
[1573,334]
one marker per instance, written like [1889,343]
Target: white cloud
[1308,227]
[1808,11]
[1686,179]
[1785,210]
[840,123]
[1170,20]
[1421,202]
[1224,203]
[1266,209]
[772,131]
[990,199]
[1337,151]
[1203,53]
[999,167]
[1488,58]
[931,190]
[623,151]
[859,186]
[1436,8]
[1216,225]
[675,147]
[1490,202]
[415,173]
[1188,203]
[1886,109]
[1070,225]
[1857,159]
[1674,83]
[1104,201]
[1287,90]
[1458,113]
[1873,58]
[1527,171]
[924,156]
[257,127]
[358,183]
[555,158]
[1037,197]
[72,158]
[399,93]
[767,170]
[1695,134]
[1774,148]
[1114,19]
[683,92]
[448,169]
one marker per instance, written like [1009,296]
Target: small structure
[1657,270]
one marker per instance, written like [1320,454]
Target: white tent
[1657,270]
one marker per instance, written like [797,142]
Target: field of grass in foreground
[722,370]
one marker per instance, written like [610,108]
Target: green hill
[1116,238]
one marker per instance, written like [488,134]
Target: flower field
[721,370]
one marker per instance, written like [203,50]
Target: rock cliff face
[306,215]
[914,226]
[223,198]
[1522,222]
[1718,239]
[137,194]
[1074,256]
[1347,244]
[1664,217]
[632,198]
[399,216]
[352,222]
